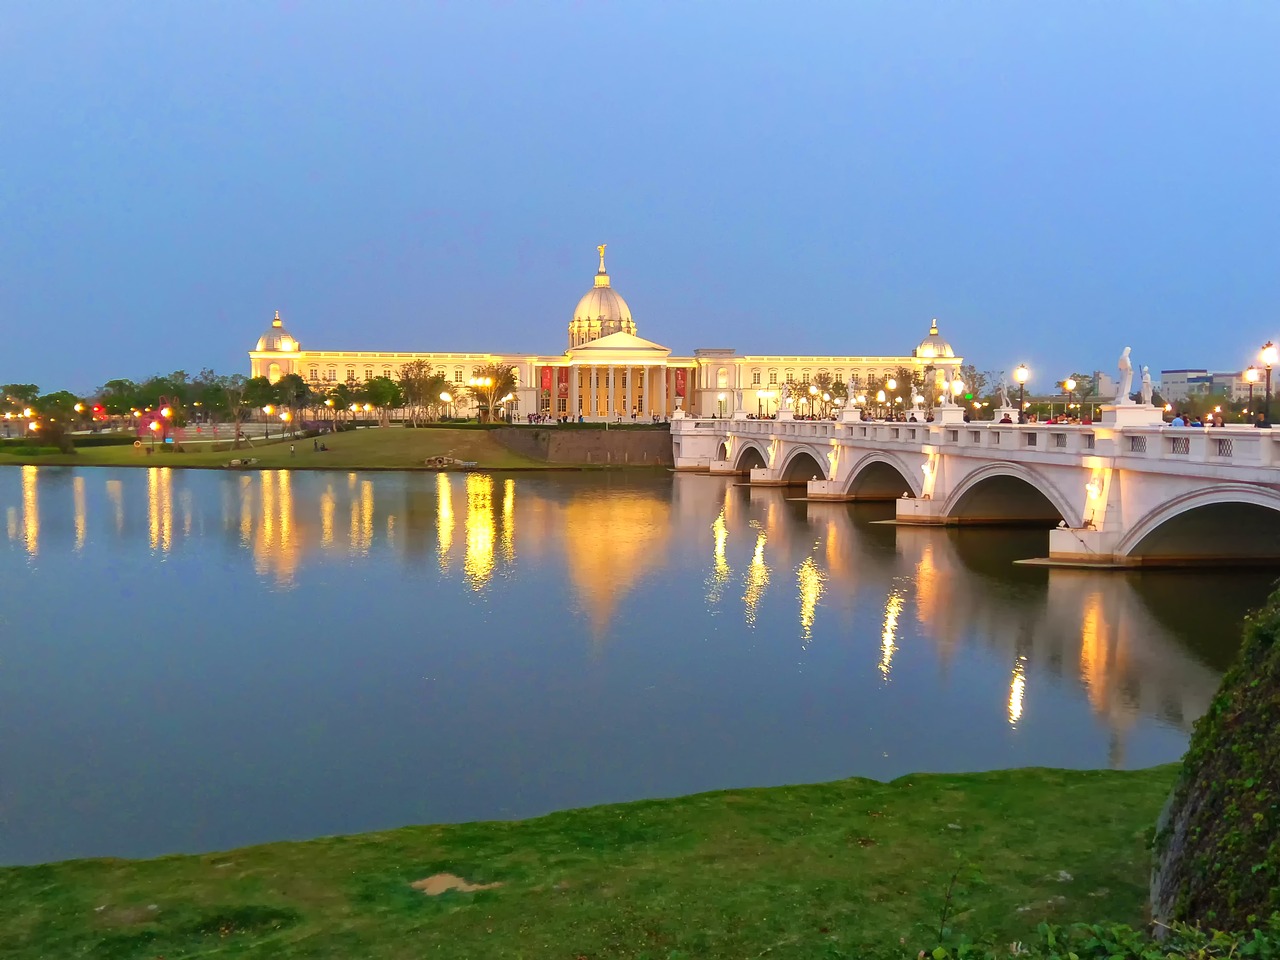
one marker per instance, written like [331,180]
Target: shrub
[1119,942]
[1218,850]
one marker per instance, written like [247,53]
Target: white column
[631,391]
[662,394]
[613,403]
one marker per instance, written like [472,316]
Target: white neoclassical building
[608,371]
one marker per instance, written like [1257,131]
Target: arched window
[331,374]
[314,373]
[457,374]
[773,378]
[273,373]
[351,374]
[439,371]
[791,376]
[722,377]
[386,372]
[755,377]
[368,373]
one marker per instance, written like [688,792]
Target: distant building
[1177,385]
[609,371]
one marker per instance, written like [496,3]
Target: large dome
[277,338]
[933,345]
[600,312]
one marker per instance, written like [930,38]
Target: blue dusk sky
[1052,181]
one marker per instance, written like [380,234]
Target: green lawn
[854,868]
[392,447]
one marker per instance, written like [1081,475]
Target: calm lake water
[195,660]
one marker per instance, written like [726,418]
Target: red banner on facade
[546,380]
[680,381]
[563,382]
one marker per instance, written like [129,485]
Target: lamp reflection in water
[889,632]
[508,519]
[160,508]
[720,562]
[31,510]
[810,580]
[115,493]
[444,518]
[757,578]
[1017,690]
[77,495]
[477,566]
[246,512]
[328,506]
[276,547]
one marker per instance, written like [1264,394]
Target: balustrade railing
[1233,446]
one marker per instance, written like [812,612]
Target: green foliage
[1220,850]
[1119,942]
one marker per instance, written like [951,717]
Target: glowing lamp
[1022,374]
[1269,354]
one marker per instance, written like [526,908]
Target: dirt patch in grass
[439,883]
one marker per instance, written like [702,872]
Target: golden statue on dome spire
[601,249]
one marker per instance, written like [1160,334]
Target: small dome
[277,338]
[933,345]
[600,312]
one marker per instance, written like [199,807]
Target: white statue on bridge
[1002,391]
[946,389]
[1147,390]
[786,396]
[1126,380]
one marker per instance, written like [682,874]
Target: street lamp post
[1269,356]
[266,424]
[1251,377]
[1070,386]
[1021,375]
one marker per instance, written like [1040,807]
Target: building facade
[610,372]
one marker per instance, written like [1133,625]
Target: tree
[383,393]
[975,382]
[413,385]
[493,382]
[233,388]
[19,396]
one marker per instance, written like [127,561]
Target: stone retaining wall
[637,448]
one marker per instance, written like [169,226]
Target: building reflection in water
[940,591]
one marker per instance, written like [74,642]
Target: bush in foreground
[1119,942]
[1218,850]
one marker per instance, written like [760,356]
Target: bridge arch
[1223,523]
[802,464]
[1008,492]
[884,476]
[748,456]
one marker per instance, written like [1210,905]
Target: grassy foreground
[386,448]
[854,868]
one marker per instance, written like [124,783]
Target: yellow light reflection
[444,517]
[246,512]
[77,495]
[888,635]
[720,565]
[115,493]
[328,504]
[509,519]
[757,580]
[30,510]
[810,579]
[160,508]
[11,514]
[366,515]
[1017,691]
[481,532]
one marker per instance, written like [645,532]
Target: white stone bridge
[1128,491]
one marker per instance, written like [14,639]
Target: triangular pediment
[620,343]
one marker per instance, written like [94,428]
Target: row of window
[855,379]
[331,374]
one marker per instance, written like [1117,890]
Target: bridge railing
[1222,446]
